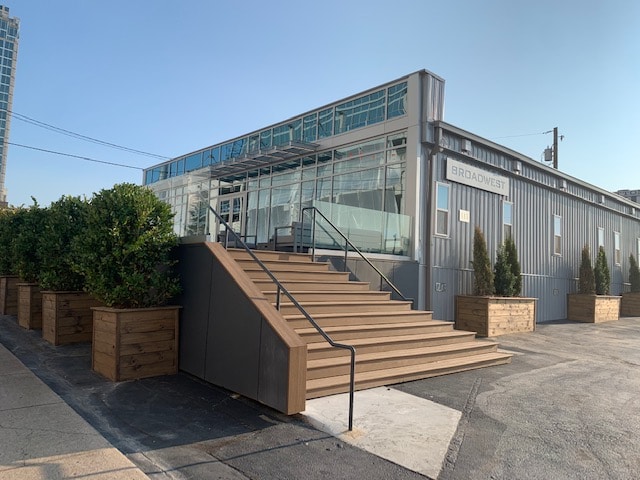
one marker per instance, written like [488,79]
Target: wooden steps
[393,342]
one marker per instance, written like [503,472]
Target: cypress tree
[634,274]
[504,279]
[586,282]
[601,273]
[512,259]
[483,275]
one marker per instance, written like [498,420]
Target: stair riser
[288,266]
[292,285]
[271,256]
[381,364]
[375,333]
[344,387]
[329,351]
[290,309]
[283,276]
[333,296]
[356,320]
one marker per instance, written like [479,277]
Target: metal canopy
[261,158]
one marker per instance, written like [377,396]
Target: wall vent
[562,184]
[517,167]
[465,146]
[601,199]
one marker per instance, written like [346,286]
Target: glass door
[231,209]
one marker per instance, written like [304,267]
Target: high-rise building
[8,56]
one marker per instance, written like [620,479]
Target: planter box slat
[493,316]
[67,317]
[135,343]
[9,295]
[29,306]
[630,304]
[592,308]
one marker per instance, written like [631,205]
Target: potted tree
[496,308]
[8,273]
[124,257]
[66,308]
[630,303]
[28,224]
[593,303]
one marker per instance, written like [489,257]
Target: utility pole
[555,147]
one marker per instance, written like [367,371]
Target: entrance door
[231,209]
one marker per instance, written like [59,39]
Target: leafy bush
[65,219]
[504,279]
[28,225]
[483,276]
[601,273]
[586,279]
[124,254]
[7,236]
[512,258]
[634,274]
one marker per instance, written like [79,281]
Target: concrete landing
[405,429]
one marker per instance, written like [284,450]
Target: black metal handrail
[281,288]
[348,244]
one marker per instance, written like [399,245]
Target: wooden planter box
[592,308]
[9,295]
[67,317]
[135,343]
[630,304]
[493,316]
[29,306]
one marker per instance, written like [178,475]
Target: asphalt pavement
[567,407]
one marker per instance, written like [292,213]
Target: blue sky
[170,77]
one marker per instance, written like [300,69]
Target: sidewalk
[41,437]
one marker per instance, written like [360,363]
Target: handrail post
[313,236]
[277,297]
[346,253]
[352,387]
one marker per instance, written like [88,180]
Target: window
[600,237]
[507,220]
[360,112]
[557,235]
[616,248]
[396,99]
[442,209]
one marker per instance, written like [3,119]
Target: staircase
[393,342]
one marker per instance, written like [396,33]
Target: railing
[281,288]
[348,244]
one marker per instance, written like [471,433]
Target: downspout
[425,273]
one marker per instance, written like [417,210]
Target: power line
[523,135]
[74,156]
[69,133]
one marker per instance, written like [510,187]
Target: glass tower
[8,57]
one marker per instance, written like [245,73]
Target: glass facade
[362,111]
[8,55]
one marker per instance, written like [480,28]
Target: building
[408,189]
[9,34]
[633,195]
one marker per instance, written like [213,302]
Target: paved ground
[566,407]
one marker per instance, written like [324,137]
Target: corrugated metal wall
[537,193]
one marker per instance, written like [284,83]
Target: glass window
[442,209]
[360,112]
[358,163]
[254,143]
[557,235]
[325,123]
[148,177]
[310,127]
[282,134]
[617,255]
[193,162]
[265,140]
[507,220]
[600,237]
[394,188]
[396,100]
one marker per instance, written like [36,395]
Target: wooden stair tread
[397,354]
[395,339]
[364,314]
[355,302]
[399,372]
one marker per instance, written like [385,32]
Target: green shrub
[634,274]
[586,279]
[483,276]
[601,273]
[124,254]
[28,225]
[504,279]
[7,237]
[512,259]
[65,219]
